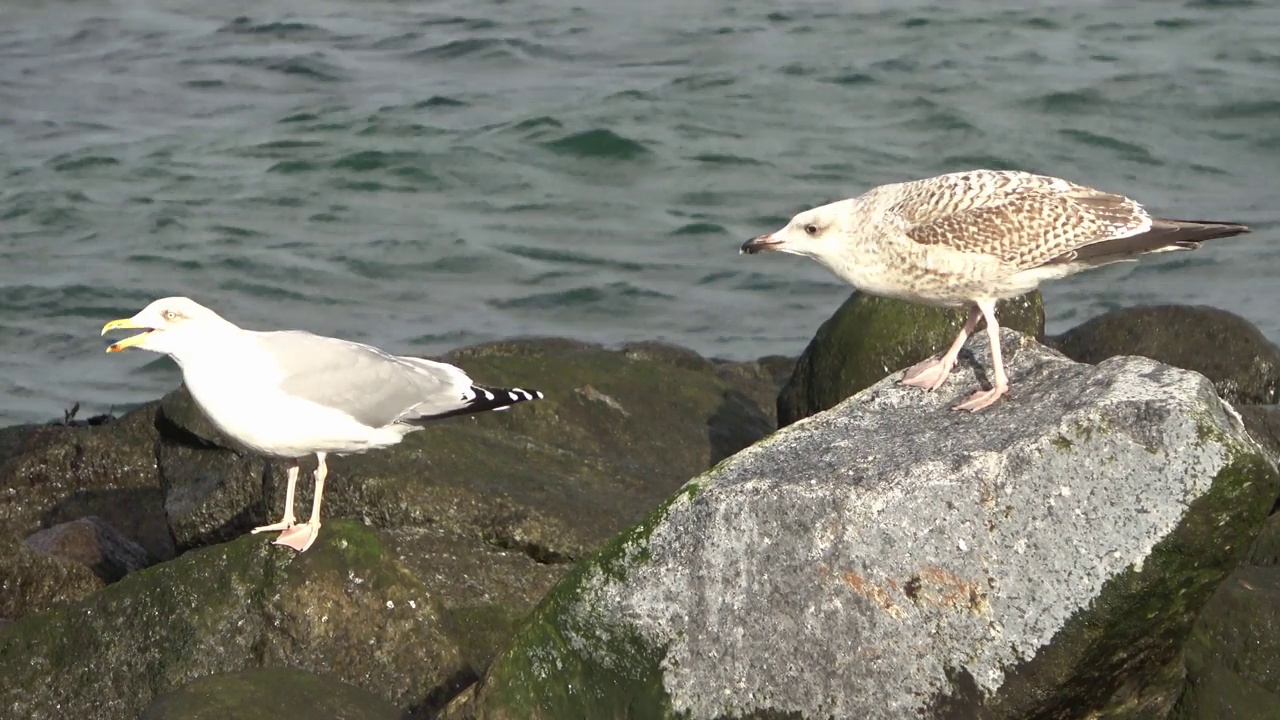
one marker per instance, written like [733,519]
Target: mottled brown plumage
[971,238]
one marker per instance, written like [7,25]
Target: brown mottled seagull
[972,238]
[289,394]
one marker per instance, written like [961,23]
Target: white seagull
[288,393]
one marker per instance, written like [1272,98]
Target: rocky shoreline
[643,544]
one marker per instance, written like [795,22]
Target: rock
[51,474]
[1263,422]
[871,336]
[31,581]
[60,473]
[270,694]
[211,494]
[345,608]
[892,558]
[92,542]
[1224,347]
[1234,650]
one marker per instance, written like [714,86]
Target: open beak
[759,244]
[126,324]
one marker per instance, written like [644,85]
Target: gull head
[818,233]
[169,324]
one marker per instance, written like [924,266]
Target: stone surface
[30,581]
[51,474]
[56,473]
[1224,347]
[870,337]
[1233,655]
[893,558]
[92,542]
[1263,422]
[345,608]
[270,694]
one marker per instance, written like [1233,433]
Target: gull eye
[811,229]
[169,315]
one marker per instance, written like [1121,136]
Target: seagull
[289,393]
[968,239]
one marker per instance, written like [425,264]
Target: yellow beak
[125,324]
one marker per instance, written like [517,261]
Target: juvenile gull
[289,393]
[972,238]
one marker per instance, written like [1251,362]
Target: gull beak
[125,324]
[760,244]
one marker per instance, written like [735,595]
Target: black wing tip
[509,396]
[484,399]
[1213,229]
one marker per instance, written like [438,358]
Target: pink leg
[287,521]
[931,373]
[300,537]
[1000,382]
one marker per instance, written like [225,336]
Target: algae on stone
[870,337]
[343,608]
[270,694]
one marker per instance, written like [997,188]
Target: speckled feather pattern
[1022,220]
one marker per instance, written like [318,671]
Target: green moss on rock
[567,661]
[270,694]
[344,608]
[870,337]
[1107,659]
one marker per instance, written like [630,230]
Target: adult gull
[972,238]
[289,393]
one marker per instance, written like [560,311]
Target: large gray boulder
[892,558]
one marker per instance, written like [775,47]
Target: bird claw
[285,523]
[930,374]
[299,537]
[980,399]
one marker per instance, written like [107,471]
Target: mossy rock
[345,608]
[870,337]
[53,474]
[30,581]
[1233,654]
[270,694]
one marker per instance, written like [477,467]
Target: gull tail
[484,399]
[1164,235]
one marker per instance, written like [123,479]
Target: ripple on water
[1247,109]
[572,257]
[594,300]
[275,30]
[367,160]
[1076,102]
[438,101]
[601,143]
[849,79]
[700,228]
[1130,151]
[487,49]
[66,163]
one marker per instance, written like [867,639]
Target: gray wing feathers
[374,387]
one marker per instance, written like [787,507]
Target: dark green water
[423,175]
